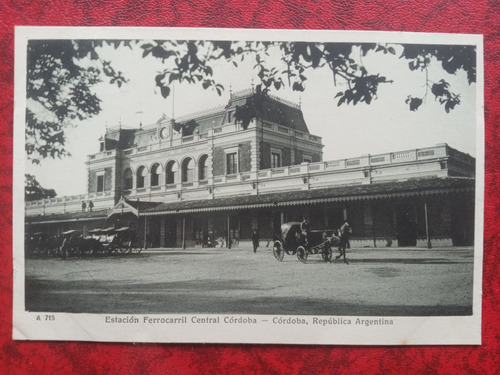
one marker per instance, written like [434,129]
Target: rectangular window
[231,163]
[100,183]
[275,160]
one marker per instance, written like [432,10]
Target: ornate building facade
[208,174]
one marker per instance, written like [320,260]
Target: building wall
[245,156]
[92,188]
[299,155]
[265,155]
[287,156]
[108,179]
[218,161]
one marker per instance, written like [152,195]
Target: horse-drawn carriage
[292,241]
[97,242]
[109,241]
[42,244]
[73,244]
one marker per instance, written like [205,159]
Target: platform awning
[375,191]
[67,217]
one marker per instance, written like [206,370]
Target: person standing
[255,240]
[84,206]
[91,206]
[305,228]
[344,231]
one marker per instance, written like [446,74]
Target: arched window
[187,170]
[141,177]
[170,172]
[128,179]
[202,168]
[155,174]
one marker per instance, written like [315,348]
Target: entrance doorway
[406,226]
[334,217]
[276,224]
[170,232]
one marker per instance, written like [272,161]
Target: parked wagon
[126,241]
[73,244]
[292,241]
[112,241]
[35,244]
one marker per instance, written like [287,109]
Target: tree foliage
[59,91]
[62,74]
[34,191]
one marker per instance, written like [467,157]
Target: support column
[162,231]
[373,226]
[183,232]
[145,231]
[429,245]
[228,234]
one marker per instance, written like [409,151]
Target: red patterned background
[460,16]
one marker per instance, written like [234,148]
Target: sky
[386,125]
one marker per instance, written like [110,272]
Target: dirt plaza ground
[381,281]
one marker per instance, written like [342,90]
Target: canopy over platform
[386,190]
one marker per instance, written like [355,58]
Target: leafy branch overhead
[190,61]
[62,75]
[451,58]
[34,191]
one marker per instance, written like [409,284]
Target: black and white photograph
[248,186]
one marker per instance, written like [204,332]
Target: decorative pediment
[121,207]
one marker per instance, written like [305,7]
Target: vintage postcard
[248,186]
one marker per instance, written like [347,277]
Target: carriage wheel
[326,253]
[302,254]
[278,250]
[135,249]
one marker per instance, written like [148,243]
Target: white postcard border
[442,330]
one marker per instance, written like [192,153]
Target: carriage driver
[305,228]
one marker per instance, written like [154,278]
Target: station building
[207,174]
